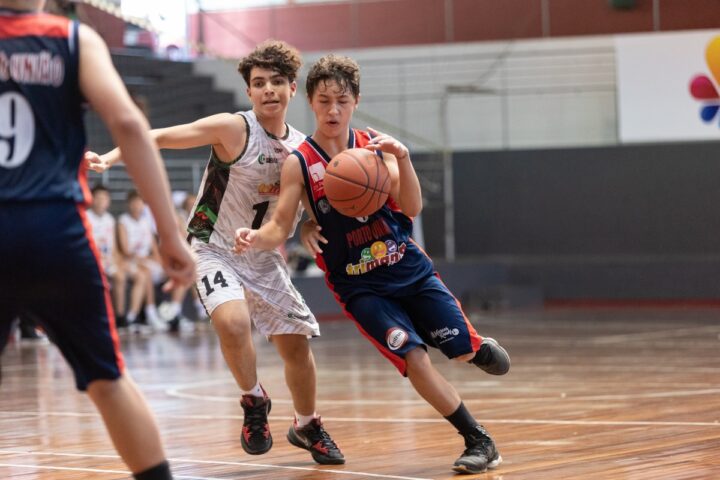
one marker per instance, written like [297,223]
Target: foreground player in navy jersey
[382,279]
[51,268]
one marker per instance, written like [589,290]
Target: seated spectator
[140,254]
[104,234]
[171,311]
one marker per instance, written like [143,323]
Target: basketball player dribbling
[51,268]
[240,187]
[383,280]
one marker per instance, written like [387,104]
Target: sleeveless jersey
[42,136]
[363,255]
[243,193]
[103,232]
[139,235]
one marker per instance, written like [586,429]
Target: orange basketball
[357,182]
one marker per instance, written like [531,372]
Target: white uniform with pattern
[244,193]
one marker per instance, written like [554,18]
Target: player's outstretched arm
[276,230]
[406,185]
[224,131]
[102,87]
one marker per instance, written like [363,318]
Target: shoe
[156,324]
[492,358]
[480,453]
[256,438]
[121,321]
[138,327]
[180,324]
[313,438]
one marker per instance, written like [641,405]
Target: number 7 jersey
[245,192]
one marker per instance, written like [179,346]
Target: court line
[520,421]
[175,392]
[195,461]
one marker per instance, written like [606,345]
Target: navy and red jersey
[363,255]
[42,135]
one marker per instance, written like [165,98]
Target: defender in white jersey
[240,188]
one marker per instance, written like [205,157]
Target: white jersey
[103,232]
[139,235]
[243,193]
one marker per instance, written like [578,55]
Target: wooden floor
[593,394]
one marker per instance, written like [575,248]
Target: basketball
[357,182]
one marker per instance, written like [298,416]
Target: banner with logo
[668,86]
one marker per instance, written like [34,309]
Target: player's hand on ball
[386,143]
[244,238]
[96,162]
[311,237]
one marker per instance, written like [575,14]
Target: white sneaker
[155,322]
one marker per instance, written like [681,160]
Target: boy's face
[136,207]
[333,108]
[100,201]
[270,92]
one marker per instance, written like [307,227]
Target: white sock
[152,313]
[130,317]
[256,391]
[302,420]
[174,310]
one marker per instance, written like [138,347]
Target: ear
[293,89]
[357,102]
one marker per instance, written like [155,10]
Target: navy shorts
[425,313]
[51,273]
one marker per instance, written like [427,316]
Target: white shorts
[259,277]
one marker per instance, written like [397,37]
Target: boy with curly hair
[240,187]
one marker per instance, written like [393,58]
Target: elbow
[127,125]
[413,209]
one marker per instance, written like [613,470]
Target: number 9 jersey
[42,136]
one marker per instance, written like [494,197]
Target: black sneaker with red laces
[313,438]
[256,438]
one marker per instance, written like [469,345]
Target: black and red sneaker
[480,453]
[313,438]
[256,438]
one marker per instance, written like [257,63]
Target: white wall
[478,96]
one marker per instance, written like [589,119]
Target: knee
[294,349]
[118,277]
[417,359]
[230,329]
[102,389]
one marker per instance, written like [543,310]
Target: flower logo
[704,88]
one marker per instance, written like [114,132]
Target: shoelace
[255,419]
[318,434]
[478,442]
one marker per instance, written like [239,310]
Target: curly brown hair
[274,55]
[343,70]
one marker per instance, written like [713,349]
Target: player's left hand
[386,143]
[311,237]
[244,238]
